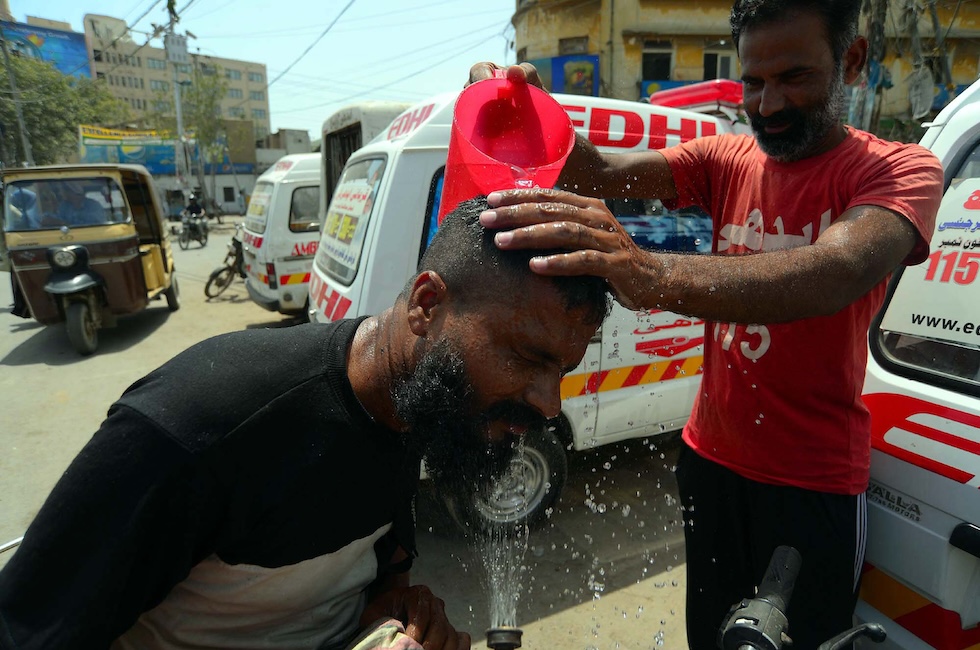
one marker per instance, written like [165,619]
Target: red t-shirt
[781,403]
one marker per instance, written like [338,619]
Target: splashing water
[502,548]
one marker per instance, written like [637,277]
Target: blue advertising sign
[153,149]
[573,74]
[66,51]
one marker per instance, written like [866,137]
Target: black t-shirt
[244,461]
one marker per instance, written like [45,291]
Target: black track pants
[731,527]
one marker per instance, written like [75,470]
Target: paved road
[605,571]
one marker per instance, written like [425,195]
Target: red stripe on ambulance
[937,438]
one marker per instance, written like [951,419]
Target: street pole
[176,47]
[24,140]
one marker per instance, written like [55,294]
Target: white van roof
[373,116]
[296,162]
[613,124]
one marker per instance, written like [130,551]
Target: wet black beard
[436,402]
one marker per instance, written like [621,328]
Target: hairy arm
[847,260]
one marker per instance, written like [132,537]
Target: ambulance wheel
[527,492]
[82,330]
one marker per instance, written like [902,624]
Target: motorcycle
[234,264]
[193,227]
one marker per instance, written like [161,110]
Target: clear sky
[401,50]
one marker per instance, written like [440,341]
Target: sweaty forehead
[799,39]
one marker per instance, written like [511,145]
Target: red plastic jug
[504,135]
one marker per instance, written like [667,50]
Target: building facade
[636,47]
[141,76]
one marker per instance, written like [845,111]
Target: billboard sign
[155,150]
[572,74]
[66,51]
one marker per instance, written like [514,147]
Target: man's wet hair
[476,271]
[839,16]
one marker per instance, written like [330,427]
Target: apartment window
[575,45]
[258,114]
[235,93]
[657,59]
[161,106]
[234,75]
[97,55]
[184,67]
[719,64]
[256,77]
[256,95]
[100,75]
[208,69]
[156,84]
[156,64]
[236,111]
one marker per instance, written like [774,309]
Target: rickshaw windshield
[50,203]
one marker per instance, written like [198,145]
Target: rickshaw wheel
[184,239]
[173,294]
[82,331]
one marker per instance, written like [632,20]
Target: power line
[388,85]
[307,50]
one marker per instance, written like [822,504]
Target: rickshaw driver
[76,209]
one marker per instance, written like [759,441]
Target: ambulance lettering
[328,302]
[251,240]
[626,129]
[305,249]
[408,122]
[937,438]
[894,501]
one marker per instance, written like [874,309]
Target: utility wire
[389,85]
[307,50]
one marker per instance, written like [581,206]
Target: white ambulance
[922,575]
[640,374]
[280,233]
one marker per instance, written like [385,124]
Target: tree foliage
[200,102]
[53,105]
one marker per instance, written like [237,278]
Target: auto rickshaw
[85,244]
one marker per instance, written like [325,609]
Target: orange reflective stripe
[294,278]
[940,628]
[616,378]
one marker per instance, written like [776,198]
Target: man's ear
[427,297]
[855,59]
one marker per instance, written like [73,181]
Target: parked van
[922,576]
[280,233]
[640,373]
[348,130]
